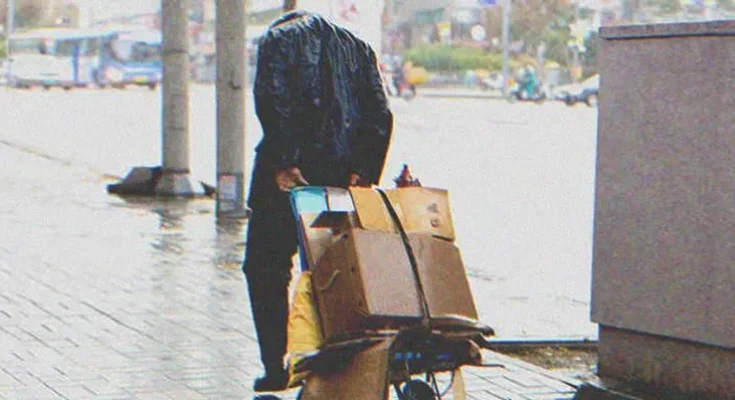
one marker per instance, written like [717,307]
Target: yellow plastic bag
[304,329]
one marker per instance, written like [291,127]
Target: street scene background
[520,179]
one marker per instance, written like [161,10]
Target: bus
[70,58]
[131,58]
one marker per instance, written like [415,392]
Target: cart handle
[330,282]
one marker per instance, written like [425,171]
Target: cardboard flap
[423,210]
[372,213]
[316,241]
[331,219]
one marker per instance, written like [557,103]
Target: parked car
[585,92]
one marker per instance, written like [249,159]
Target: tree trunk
[289,5]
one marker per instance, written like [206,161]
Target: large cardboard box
[365,281]
[443,277]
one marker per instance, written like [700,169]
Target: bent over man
[320,100]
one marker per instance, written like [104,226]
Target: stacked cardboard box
[369,272]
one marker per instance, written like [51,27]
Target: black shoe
[271,382]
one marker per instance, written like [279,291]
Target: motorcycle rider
[400,78]
[529,80]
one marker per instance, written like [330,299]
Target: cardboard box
[323,212]
[423,210]
[419,209]
[365,281]
[320,230]
[365,377]
[443,277]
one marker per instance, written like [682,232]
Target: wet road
[520,179]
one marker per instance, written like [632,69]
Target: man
[320,100]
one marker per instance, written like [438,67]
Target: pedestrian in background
[321,103]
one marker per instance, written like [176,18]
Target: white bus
[69,58]
[62,57]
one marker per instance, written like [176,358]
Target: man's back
[319,96]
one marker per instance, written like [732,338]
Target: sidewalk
[107,299]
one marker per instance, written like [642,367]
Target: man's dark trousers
[271,243]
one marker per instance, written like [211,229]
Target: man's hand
[288,178]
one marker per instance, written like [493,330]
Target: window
[66,47]
[131,51]
[27,46]
[91,47]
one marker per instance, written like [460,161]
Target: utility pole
[175,99]
[173,177]
[9,29]
[506,34]
[230,37]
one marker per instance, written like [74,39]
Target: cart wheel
[417,390]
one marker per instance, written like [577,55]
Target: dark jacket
[320,99]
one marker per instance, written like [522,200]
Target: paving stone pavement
[102,298]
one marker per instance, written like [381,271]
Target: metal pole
[173,177]
[230,37]
[175,24]
[575,50]
[541,61]
[9,29]
[506,39]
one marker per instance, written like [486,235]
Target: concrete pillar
[173,178]
[663,289]
[9,29]
[506,4]
[230,37]
[175,119]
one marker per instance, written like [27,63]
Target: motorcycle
[403,89]
[518,93]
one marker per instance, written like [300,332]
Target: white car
[583,92]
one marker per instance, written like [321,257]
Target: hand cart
[367,365]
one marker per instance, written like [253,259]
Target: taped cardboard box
[365,281]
